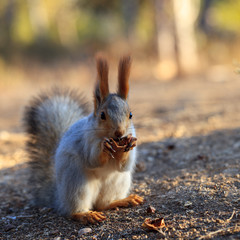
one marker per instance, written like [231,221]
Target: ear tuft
[102,70]
[123,76]
[101,89]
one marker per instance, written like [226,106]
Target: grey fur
[117,109]
[45,120]
[80,179]
[65,147]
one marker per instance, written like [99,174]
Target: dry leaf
[154,224]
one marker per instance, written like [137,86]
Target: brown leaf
[153,224]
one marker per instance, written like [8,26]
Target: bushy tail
[45,121]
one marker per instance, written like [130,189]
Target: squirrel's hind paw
[132,200]
[91,217]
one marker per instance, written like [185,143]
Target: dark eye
[103,116]
[130,115]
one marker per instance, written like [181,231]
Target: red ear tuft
[123,76]
[102,70]
[101,88]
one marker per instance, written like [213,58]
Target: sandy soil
[188,165]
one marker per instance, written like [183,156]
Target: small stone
[187,204]
[140,167]
[84,231]
[53,232]
[151,209]
[170,146]
[150,158]
[44,210]
[8,227]
[57,238]
[190,212]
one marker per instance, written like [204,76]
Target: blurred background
[45,43]
[184,96]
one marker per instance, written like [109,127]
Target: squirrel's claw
[108,145]
[113,143]
[107,148]
[129,137]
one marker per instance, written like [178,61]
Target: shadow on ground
[194,184]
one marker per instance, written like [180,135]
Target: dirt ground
[188,163]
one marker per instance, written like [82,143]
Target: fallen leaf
[153,224]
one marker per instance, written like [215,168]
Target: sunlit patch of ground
[189,162]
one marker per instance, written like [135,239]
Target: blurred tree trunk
[176,42]
[65,23]
[168,62]
[185,14]
[38,19]
[6,27]
[203,15]
[129,10]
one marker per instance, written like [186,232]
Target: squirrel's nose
[118,133]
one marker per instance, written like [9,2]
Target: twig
[229,219]
[223,230]
[163,234]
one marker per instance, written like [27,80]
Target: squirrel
[76,165]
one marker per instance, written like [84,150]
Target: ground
[188,164]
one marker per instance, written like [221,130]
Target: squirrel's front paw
[108,147]
[106,152]
[124,144]
[118,149]
[131,142]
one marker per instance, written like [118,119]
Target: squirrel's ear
[101,89]
[123,76]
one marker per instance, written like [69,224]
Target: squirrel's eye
[103,116]
[130,115]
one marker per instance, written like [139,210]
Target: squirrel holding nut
[82,164]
